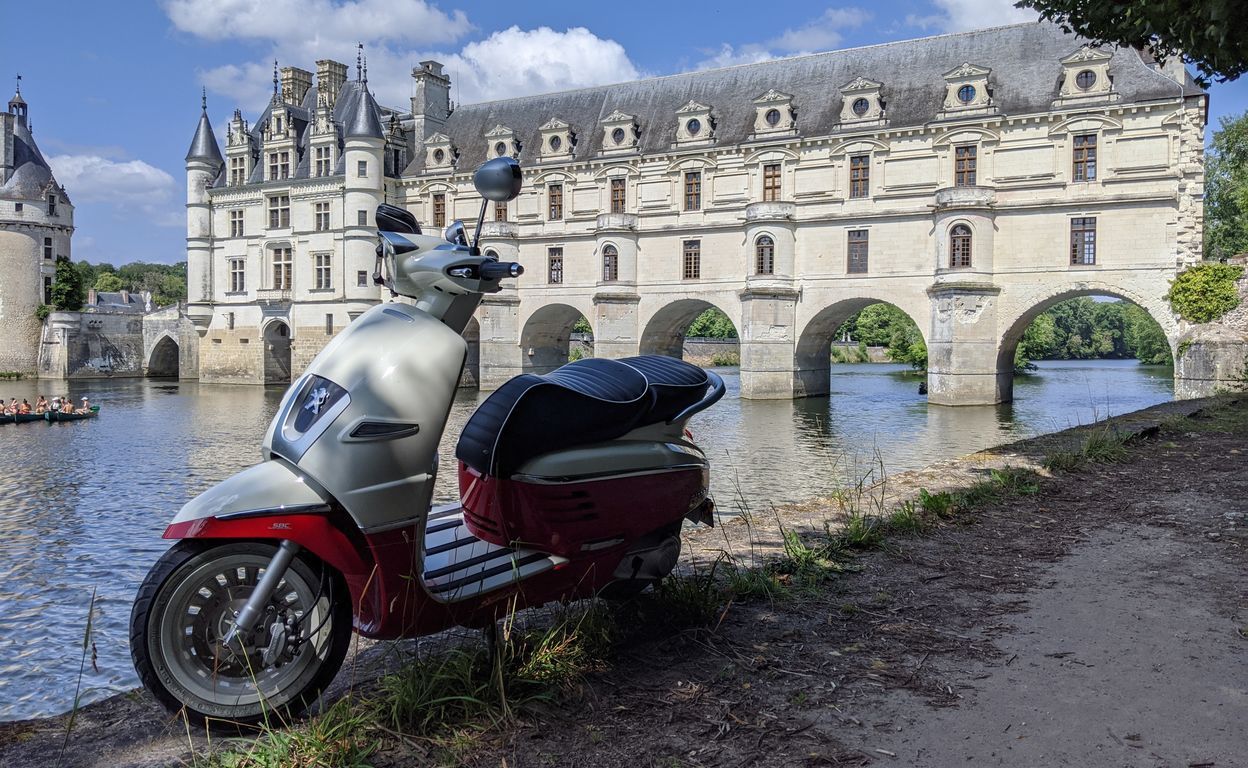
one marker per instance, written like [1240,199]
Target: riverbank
[1084,605]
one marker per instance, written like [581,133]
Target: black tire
[172,677]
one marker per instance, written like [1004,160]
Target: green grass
[907,518]
[1101,446]
[342,737]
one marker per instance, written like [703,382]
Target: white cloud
[962,15]
[131,184]
[318,23]
[510,62]
[822,33]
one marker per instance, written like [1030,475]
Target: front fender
[268,487]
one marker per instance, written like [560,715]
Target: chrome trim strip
[295,509]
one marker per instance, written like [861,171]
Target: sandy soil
[1100,622]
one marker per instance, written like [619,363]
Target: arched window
[764,256]
[960,246]
[610,264]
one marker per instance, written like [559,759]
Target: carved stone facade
[971,180]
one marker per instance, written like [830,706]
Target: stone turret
[203,165]
[36,224]
[364,182]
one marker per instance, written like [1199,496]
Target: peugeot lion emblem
[316,398]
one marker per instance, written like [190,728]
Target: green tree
[1208,33]
[1226,189]
[1144,337]
[712,324]
[108,281]
[67,291]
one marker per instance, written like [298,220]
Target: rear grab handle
[712,396]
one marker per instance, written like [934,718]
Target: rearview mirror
[392,218]
[498,179]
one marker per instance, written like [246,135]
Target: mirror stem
[476,235]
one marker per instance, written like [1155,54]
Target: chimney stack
[295,84]
[92,298]
[330,75]
[431,104]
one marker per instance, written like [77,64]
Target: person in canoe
[67,405]
[12,409]
[41,405]
[86,405]
[24,408]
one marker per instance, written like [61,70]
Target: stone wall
[92,345]
[1213,358]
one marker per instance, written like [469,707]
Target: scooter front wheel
[186,606]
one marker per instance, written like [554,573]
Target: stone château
[972,180]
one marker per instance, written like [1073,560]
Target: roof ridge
[794,57]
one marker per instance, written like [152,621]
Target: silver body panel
[269,486]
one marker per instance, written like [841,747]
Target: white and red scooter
[572,484]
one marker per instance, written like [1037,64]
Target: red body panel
[563,517]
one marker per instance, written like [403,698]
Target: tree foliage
[1226,189]
[1207,33]
[166,282]
[883,325]
[67,286]
[712,324]
[1205,292]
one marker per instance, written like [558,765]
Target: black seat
[587,401]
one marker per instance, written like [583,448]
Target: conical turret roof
[362,120]
[32,176]
[204,145]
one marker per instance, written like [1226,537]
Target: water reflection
[83,504]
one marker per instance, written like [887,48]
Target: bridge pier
[962,350]
[768,335]
[616,331]
[500,354]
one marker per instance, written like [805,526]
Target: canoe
[26,418]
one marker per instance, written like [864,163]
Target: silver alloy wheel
[200,610]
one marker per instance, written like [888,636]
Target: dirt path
[1102,621]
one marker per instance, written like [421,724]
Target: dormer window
[277,125]
[324,161]
[1085,79]
[1085,76]
[966,89]
[694,126]
[555,143]
[557,139]
[439,156]
[238,171]
[619,132]
[438,151]
[773,117]
[773,113]
[501,142]
[617,136]
[966,94]
[500,149]
[861,102]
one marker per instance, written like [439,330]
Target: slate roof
[32,176]
[204,144]
[1025,78]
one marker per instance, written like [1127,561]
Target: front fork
[246,619]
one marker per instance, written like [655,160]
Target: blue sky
[114,94]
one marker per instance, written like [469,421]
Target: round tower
[364,184]
[36,224]
[203,166]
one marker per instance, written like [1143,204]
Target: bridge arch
[663,333]
[163,360]
[1030,306]
[545,337]
[813,353]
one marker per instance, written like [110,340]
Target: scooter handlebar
[497,270]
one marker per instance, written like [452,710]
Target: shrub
[1205,292]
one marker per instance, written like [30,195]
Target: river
[83,504]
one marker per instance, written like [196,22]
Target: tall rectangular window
[47,248]
[51,205]
[361,218]
[238,275]
[618,199]
[1083,240]
[236,223]
[964,165]
[281,269]
[361,168]
[860,176]
[279,211]
[323,157]
[693,190]
[279,165]
[610,264]
[320,216]
[238,171]
[554,198]
[692,260]
[856,262]
[439,209]
[361,278]
[322,271]
[1085,157]
[771,182]
[500,211]
[554,266]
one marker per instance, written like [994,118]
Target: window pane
[856,262]
[859,176]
